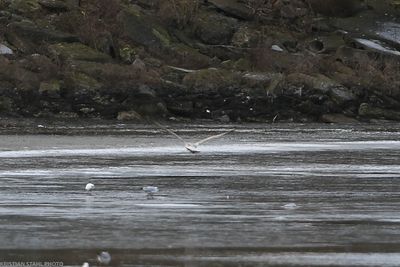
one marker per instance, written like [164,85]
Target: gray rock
[367,111]
[181,108]
[50,89]
[224,118]
[337,118]
[77,51]
[145,91]
[234,8]
[338,8]
[318,82]
[246,37]
[129,116]
[55,5]
[27,30]
[142,30]
[341,95]
[215,29]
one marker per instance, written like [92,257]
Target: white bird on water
[150,190]
[192,147]
[290,206]
[89,187]
[104,258]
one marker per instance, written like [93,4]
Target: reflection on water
[232,204]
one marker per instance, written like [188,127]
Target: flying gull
[192,147]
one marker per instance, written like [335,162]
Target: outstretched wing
[212,137]
[170,131]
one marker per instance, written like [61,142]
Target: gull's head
[85,264]
[89,187]
[104,258]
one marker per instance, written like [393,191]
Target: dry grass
[95,19]
[377,73]
[369,72]
[179,13]
[262,7]
[265,59]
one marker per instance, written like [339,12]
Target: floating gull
[290,206]
[150,190]
[89,187]
[192,147]
[104,258]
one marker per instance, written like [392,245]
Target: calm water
[222,207]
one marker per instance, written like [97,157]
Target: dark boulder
[214,29]
[337,8]
[234,8]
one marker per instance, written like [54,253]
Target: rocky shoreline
[218,60]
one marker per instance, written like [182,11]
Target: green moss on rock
[81,81]
[24,6]
[209,79]
[77,51]
[50,88]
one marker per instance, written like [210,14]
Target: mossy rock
[337,8]
[142,30]
[5,104]
[129,116]
[242,64]
[127,54]
[318,82]
[55,5]
[367,111]
[184,56]
[113,74]
[24,6]
[384,6]
[246,36]
[210,80]
[337,118]
[234,8]
[50,88]
[214,29]
[77,51]
[27,35]
[82,82]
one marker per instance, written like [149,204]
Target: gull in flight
[192,147]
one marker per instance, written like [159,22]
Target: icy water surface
[280,195]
